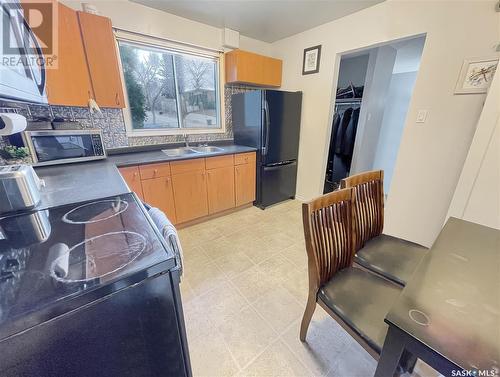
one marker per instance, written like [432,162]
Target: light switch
[421,116]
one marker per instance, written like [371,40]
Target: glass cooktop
[50,259]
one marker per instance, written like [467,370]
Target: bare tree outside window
[170,90]
[197,89]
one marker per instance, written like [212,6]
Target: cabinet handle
[237,171]
[155,171]
[117,100]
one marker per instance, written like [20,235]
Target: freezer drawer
[277,183]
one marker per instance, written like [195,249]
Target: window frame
[180,48]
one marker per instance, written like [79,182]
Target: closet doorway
[373,94]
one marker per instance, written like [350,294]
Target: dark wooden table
[448,315]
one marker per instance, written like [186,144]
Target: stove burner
[98,257]
[95,211]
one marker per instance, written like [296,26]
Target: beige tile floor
[244,291]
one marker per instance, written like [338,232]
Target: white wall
[398,100]
[139,18]
[353,69]
[375,100]
[431,155]
[477,195]
[399,94]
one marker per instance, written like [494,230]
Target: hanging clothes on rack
[350,134]
[342,140]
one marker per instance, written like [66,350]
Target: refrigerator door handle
[266,126]
[277,167]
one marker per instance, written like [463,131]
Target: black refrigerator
[269,120]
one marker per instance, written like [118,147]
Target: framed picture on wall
[476,75]
[310,63]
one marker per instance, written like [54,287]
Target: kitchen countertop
[137,158]
[73,183]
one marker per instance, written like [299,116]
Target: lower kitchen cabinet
[244,179]
[131,175]
[220,187]
[190,193]
[158,192]
[187,190]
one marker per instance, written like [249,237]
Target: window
[170,91]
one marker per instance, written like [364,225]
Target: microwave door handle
[266,128]
[41,57]
[21,44]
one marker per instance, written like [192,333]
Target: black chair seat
[362,300]
[391,257]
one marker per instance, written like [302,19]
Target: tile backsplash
[112,123]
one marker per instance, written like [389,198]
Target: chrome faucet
[186,140]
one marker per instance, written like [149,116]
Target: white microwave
[22,73]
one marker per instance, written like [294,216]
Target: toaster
[19,188]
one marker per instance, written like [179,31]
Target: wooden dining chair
[393,258]
[357,299]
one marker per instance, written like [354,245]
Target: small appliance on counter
[89,289]
[64,146]
[19,188]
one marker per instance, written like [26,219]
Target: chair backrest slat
[328,230]
[368,191]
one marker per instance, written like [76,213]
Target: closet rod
[348,103]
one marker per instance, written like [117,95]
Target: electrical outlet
[421,116]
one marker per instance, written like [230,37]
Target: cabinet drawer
[155,170]
[244,158]
[219,161]
[178,167]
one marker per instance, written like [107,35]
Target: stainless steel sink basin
[207,149]
[175,152]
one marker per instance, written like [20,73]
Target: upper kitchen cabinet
[68,83]
[102,59]
[248,68]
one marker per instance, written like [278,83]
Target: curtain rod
[168,40]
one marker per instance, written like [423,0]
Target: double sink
[186,151]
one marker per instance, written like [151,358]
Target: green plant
[13,152]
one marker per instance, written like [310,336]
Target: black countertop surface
[452,302]
[73,183]
[137,158]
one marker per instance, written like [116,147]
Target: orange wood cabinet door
[102,59]
[190,193]
[159,193]
[244,178]
[272,71]
[220,186]
[247,67]
[131,175]
[69,83]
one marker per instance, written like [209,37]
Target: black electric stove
[62,260]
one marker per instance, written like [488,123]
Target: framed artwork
[310,63]
[476,75]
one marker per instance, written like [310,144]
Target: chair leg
[306,319]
